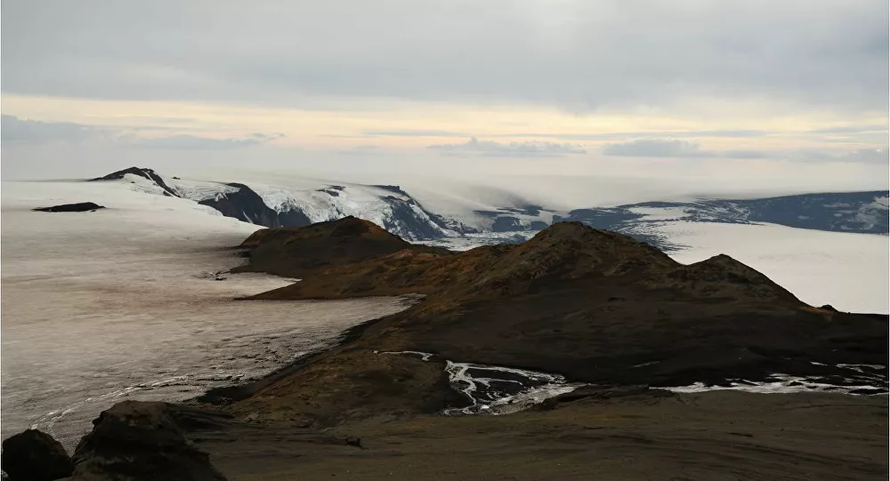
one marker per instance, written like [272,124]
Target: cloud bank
[521,149]
[16,130]
[817,53]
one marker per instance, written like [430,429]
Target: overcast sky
[733,90]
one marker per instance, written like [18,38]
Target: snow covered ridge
[275,206]
[404,215]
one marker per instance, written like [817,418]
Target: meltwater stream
[496,389]
[503,390]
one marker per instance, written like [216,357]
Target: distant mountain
[147,174]
[386,205]
[400,213]
[862,212]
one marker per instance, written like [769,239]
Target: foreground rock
[33,455]
[78,207]
[143,441]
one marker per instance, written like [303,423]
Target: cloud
[264,137]
[415,133]
[742,154]
[673,148]
[192,142]
[653,134]
[851,129]
[878,156]
[21,131]
[518,149]
[361,150]
[740,133]
[13,129]
[572,55]
[654,148]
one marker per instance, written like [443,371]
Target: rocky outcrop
[141,441]
[33,455]
[78,207]
[141,172]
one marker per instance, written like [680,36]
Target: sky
[731,93]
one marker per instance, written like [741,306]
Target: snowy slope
[198,190]
[126,303]
[298,202]
[848,271]
[386,206]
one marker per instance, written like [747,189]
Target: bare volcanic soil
[591,305]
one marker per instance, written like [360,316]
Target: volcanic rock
[78,207]
[141,441]
[33,455]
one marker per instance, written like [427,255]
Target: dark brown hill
[592,305]
[296,251]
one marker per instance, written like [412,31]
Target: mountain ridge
[394,209]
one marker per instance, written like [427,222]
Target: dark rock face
[141,172]
[33,455]
[78,207]
[248,206]
[141,441]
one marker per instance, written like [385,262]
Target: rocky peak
[141,172]
[723,276]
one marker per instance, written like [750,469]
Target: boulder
[137,441]
[33,455]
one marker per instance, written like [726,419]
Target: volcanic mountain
[591,305]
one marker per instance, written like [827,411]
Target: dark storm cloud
[576,55]
[519,149]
